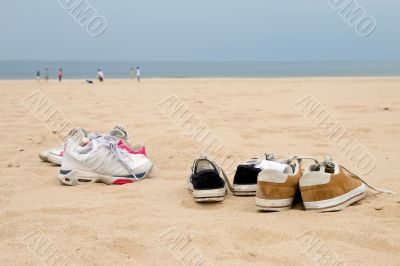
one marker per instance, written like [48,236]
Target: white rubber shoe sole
[338,203]
[78,177]
[244,190]
[54,158]
[274,205]
[208,195]
[44,155]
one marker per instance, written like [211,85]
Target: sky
[187,30]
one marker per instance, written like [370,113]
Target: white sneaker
[56,156]
[101,160]
[44,155]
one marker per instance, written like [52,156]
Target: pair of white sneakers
[55,155]
[98,158]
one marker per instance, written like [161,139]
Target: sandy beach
[155,221]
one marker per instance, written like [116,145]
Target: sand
[155,221]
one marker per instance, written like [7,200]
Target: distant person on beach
[100,75]
[46,74]
[38,75]
[132,73]
[60,74]
[138,74]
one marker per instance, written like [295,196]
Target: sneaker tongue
[328,160]
[84,149]
[74,138]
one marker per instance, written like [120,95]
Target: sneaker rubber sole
[78,177]
[338,203]
[244,190]
[208,195]
[44,156]
[274,204]
[54,158]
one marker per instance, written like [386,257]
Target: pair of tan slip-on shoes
[324,186]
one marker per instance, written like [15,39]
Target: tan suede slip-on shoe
[327,186]
[276,189]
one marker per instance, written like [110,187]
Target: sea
[25,70]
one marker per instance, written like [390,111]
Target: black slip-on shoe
[205,181]
[245,180]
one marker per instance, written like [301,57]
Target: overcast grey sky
[197,30]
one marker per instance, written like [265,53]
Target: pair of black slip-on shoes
[209,183]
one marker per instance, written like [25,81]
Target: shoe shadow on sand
[190,204]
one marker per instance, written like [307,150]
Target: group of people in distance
[46,74]
[100,74]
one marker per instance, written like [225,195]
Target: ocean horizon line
[215,77]
[203,61]
[25,70]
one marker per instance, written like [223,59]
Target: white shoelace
[121,154]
